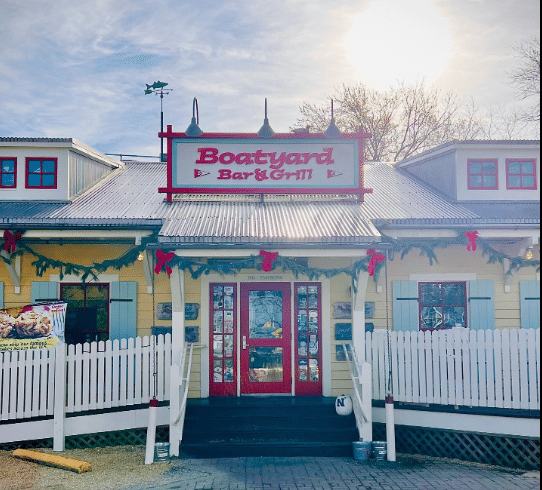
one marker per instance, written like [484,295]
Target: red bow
[162,259]
[269,258]
[10,240]
[375,259]
[471,236]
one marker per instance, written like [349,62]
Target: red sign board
[247,164]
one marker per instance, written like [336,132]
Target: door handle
[244,342]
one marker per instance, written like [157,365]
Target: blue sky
[78,68]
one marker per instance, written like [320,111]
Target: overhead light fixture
[140,257]
[332,130]
[529,253]
[266,131]
[193,130]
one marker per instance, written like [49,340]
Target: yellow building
[271,275]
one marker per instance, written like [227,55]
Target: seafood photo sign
[32,326]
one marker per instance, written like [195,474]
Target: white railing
[180,383]
[486,368]
[99,375]
[361,392]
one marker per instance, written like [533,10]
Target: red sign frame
[288,138]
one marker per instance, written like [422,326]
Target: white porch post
[59,417]
[358,315]
[358,339]
[176,280]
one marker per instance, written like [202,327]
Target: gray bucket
[161,451]
[362,450]
[380,450]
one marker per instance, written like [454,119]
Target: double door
[254,344]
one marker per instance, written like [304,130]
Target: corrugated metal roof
[397,196]
[15,139]
[241,222]
[129,198]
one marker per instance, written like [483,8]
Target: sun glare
[399,40]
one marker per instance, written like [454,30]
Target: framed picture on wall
[343,331]
[370,309]
[342,310]
[340,354]
[191,334]
[163,311]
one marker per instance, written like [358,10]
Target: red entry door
[265,338]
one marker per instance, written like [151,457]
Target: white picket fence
[99,376]
[485,368]
[457,367]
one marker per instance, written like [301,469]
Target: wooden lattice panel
[514,452]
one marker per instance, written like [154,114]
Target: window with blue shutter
[44,292]
[530,304]
[405,306]
[481,305]
[123,310]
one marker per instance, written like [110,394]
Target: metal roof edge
[457,222]
[70,223]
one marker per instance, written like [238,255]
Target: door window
[223,301]
[308,317]
[265,332]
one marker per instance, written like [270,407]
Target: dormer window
[483,174]
[520,174]
[41,173]
[8,173]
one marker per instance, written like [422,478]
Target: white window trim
[444,277]
[104,278]
[447,277]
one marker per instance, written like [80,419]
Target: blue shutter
[405,306]
[1,294]
[530,304]
[123,310]
[44,292]
[481,305]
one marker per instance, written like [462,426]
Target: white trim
[73,234]
[289,252]
[73,278]
[487,424]
[265,277]
[532,234]
[443,277]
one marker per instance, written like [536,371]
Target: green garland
[427,248]
[43,263]
[196,269]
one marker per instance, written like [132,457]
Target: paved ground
[304,473]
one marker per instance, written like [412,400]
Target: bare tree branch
[526,76]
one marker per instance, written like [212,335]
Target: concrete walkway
[304,473]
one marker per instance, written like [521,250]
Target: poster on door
[32,326]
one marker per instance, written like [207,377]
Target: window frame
[442,305]
[41,174]
[2,160]
[106,309]
[483,160]
[521,175]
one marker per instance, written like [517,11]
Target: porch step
[266,426]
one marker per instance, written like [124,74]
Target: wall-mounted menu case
[308,338]
[223,305]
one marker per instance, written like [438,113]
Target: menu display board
[32,326]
